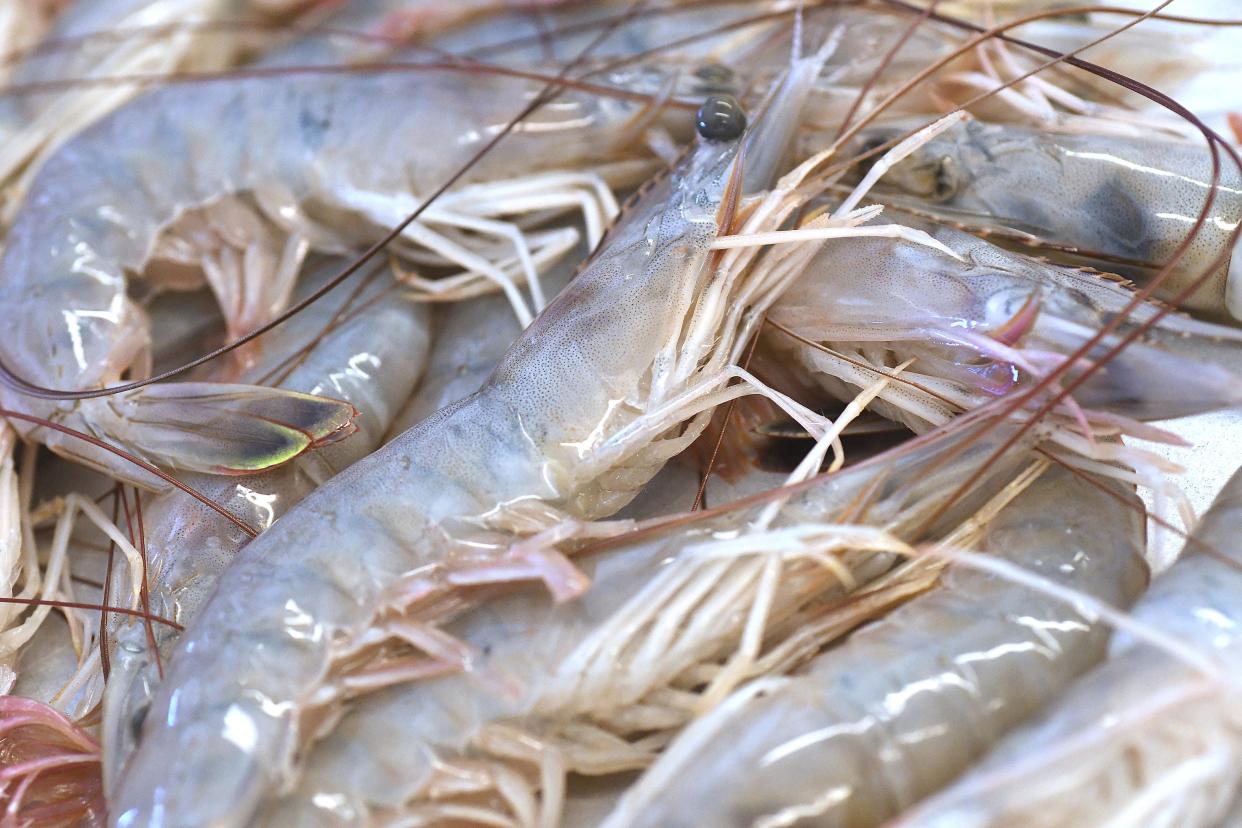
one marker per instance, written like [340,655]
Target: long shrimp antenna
[85,605]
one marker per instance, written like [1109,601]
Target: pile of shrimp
[534,413]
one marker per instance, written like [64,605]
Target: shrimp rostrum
[616,375]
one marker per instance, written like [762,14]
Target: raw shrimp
[1151,737]
[865,729]
[986,323]
[1128,202]
[330,174]
[581,412]
[597,685]
[188,546]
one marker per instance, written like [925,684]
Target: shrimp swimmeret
[580,413]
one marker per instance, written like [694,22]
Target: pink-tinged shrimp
[1151,737]
[188,546]
[1128,202]
[613,378]
[867,728]
[49,768]
[986,323]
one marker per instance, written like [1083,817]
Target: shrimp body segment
[870,727]
[188,545]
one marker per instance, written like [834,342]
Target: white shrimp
[869,727]
[188,545]
[581,412]
[1151,737]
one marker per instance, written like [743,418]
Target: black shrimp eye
[721,118]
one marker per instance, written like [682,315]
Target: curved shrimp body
[569,426]
[595,685]
[987,323]
[1146,738]
[870,727]
[99,206]
[1127,202]
[188,545]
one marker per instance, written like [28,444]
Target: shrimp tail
[218,428]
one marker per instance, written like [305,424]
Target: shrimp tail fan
[220,428]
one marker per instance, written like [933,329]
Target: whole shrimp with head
[154,183]
[613,378]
